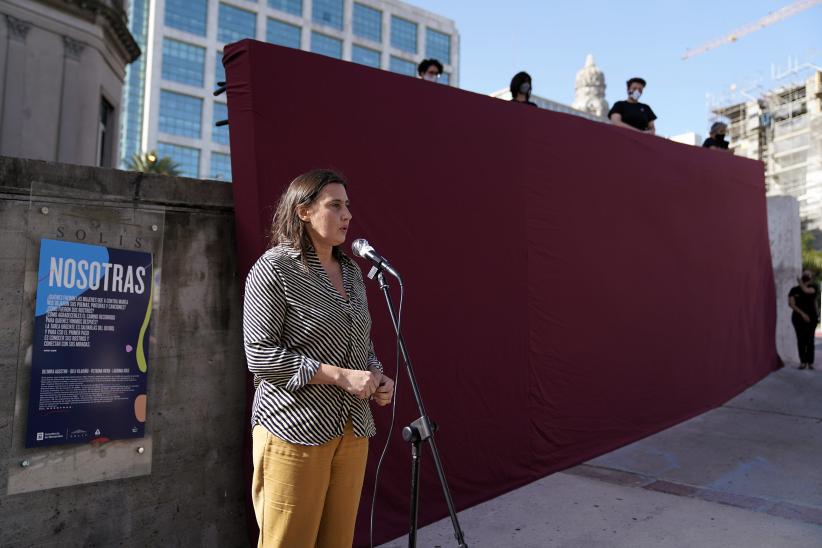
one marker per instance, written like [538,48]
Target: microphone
[362,248]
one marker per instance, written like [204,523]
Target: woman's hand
[385,392]
[805,317]
[359,383]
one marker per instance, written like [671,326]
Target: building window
[180,114]
[220,134]
[294,7]
[401,66]
[365,56]
[445,78]
[438,46]
[282,34]
[187,15]
[220,166]
[325,45]
[105,134]
[403,34]
[235,24]
[328,12]
[183,62]
[187,158]
[367,22]
[219,69]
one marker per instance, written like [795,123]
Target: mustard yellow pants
[305,495]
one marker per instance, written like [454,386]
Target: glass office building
[168,99]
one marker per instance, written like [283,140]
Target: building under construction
[783,129]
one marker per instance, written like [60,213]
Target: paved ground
[747,474]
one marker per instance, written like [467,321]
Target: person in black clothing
[430,69]
[632,114]
[803,299]
[717,138]
[521,88]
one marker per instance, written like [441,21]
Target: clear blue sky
[550,40]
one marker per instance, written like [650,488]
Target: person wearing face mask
[803,300]
[430,69]
[632,114]
[521,88]
[717,137]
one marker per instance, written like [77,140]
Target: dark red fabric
[571,286]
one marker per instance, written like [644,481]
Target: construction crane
[770,19]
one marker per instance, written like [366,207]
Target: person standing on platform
[521,88]
[803,300]
[306,331]
[717,136]
[632,114]
[430,69]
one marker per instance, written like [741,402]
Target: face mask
[525,88]
[720,136]
[430,77]
[635,95]
[806,278]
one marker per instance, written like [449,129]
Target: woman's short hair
[286,226]
[518,79]
[636,79]
[425,64]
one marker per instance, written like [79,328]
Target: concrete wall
[786,255]
[194,493]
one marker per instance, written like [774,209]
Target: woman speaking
[306,330]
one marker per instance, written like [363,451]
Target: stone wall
[188,490]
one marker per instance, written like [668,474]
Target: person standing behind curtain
[430,69]
[521,88]
[803,301]
[632,114]
[307,337]
[717,137]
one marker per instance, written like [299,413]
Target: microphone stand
[419,431]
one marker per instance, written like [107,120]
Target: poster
[90,344]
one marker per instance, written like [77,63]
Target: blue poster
[90,345]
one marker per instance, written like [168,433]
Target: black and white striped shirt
[293,320]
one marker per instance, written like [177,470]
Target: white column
[305,42]
[262,21]
[69,146]
[207,122]
[348,28]
[386,39]
[455,55]
[11,132]
[420,54]
[786,256]
[151,86]
[4,38]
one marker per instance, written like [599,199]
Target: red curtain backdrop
[571,286]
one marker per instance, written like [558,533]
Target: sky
[550,40]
